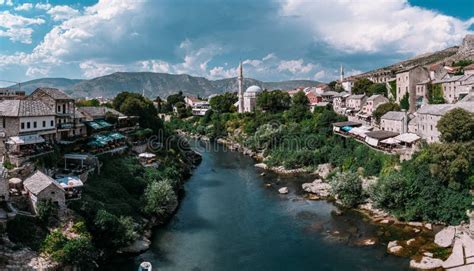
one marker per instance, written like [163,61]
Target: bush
[159,198]
[347,187]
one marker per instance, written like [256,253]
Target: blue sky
[275,39]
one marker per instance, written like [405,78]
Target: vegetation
[433,186]
[435,94]
[457,126]
[384,108]
[224,103]
[393,89]
[405,101]
[274,101]
[361,86]
[463,63]
[348,188]
[134,104]
[84,102]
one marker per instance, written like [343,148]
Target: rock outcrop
[318,187]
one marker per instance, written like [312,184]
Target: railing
[67,125]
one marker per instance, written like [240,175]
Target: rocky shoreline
[416,248]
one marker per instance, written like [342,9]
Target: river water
[230,220]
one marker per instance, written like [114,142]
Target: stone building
[250,98]
[394,121]
[372,103]
[41,187]
[339,102]
[406,83]
[25,117]
[429,115]
[469,70]
[355,102]
[63,106]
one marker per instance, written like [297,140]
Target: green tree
[110,231]
[134,104]
[405,101]
[457,126]
[361,86]
[435,93]
[46,210]
[84,102]
[348,188]
[175,98]
[159,198]
[299,108]
[384,108]
[273,101]
[224,103]
[379,88]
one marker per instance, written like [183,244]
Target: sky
[275,39]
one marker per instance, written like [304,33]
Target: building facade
[406,84]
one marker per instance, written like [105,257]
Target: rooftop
[356,96]
[24,108]
[98,111]
[38,182]
[394,115]
[441,109]
[347,123]
[53,93]
[381,135]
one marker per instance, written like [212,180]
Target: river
[230,220]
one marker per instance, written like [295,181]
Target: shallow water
[229,220]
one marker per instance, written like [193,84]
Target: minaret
[241,86]
[342,74]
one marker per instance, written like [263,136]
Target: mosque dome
[253,89]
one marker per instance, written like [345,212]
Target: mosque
[248,100]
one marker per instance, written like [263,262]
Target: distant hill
[154,84]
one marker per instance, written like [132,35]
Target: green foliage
[46,210]
[405,101]
[77,251]
[159,198]
[111,231]
[273,101]
[8,165]
[435,94]
[299,108]
[378,88]
[28,231]
[463,63]
[384,108]
[182,110]
[224,103]
[457,126]
[91,102]
[175,98]
[134,104]
[361,86]
[348,188]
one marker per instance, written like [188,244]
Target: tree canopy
[273,101]
[457,126]
[361,86]
[299,108]
[134,104]
[224,103]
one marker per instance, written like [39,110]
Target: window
[22,125]
[34,124]
[28,126]
[59,108]
[431,127]
[44,123]
[52,123]
[3,122]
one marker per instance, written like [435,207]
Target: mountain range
[153,84]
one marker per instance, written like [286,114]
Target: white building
[355,102]
[372,103]
[339,102]
[429,115]
[394,121]
[250,98]
[406,84]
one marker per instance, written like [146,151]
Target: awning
[76,156]
[358,131]
[70,182]
[25,140]
[407,137]
[116,136]
[390,141]
[146,155]
[346,128]
[98,124]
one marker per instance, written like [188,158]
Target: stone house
[429,115]
[372,103]
[355,102]
[91,113]
[406,83]
[339,102]
[469,70]
[394,121]
[41,187]
[63,106]
[25,117]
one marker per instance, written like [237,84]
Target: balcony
[67,125]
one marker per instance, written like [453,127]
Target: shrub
[159,198]
[347,186]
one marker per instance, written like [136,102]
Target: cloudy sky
[276,40]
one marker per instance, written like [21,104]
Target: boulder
[415,224]
[283,190]
[426,263]
[445,237]
[324,170]
[261,165]
[317,187]
[457,257]
[138,246]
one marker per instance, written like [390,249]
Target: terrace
[22,148]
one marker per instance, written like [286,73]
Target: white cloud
[43,6]
[155,66]
[93,69]
[15,27]
[373,26]
[6,2]
[60,13]
[24,7]
[295,66]
[319,75]
[37,71]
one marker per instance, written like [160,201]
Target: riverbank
[418,244]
